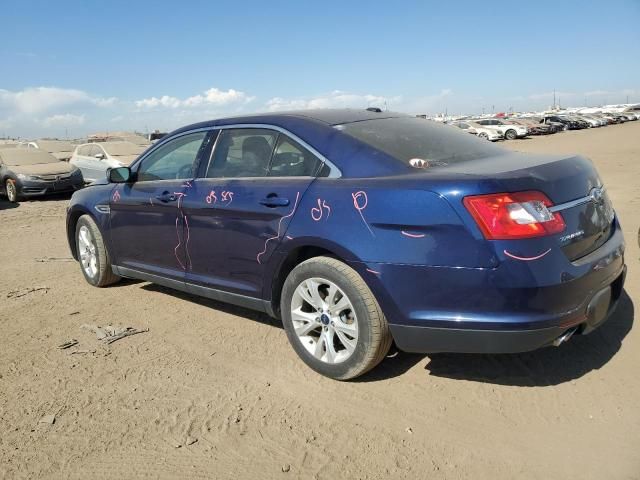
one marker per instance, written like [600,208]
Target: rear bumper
[515,307]
[411,338]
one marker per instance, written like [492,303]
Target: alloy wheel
[12,193]
[87,251]
[324,320]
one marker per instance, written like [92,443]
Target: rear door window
[290,159]
[242,153]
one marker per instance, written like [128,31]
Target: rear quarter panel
[384,221]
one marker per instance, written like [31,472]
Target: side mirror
[99,156]
[119,175]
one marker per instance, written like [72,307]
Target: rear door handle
[167,197]
[274,201]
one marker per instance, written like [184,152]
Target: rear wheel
[511,134]
[12,190]
[332,319]
[92,253]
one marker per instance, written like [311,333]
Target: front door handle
[273,201]
[167,197]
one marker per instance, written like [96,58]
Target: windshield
[55,146]
[411,140]
[123,149]
[19,156]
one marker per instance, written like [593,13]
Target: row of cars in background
[41,167]
[511,128]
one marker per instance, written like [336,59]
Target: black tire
[511,134]
[104,276]
[374,338]
[12,191]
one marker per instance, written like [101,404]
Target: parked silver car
[93,159]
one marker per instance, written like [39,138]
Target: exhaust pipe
[565,336]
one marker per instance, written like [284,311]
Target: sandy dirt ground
[214,391]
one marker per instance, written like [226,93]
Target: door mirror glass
[119,175]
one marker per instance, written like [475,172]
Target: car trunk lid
[570,182]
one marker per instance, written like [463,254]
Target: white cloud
[35,100]
[212,97]
[64,120]
[335,99]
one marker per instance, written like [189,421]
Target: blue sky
[78,66]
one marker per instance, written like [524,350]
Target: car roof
[326,116]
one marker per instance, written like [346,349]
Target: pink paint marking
[293,210]
[316,213]
[289,237]
[360,201]
[211,197]
[180,196]
[116,196]
[175,250]
[324,205]
[413,235]
[373,271]
[227,196]
[150,201]
[186,245]
[526,259]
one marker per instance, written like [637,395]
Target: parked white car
[510,132]
[93,159]
[61,149]
[475,129]
[590,120]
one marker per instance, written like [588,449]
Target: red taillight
[507,216]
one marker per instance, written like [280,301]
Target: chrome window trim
[334,172]
[575,203]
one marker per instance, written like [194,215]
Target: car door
[84,162]
[147,221]
[241,207]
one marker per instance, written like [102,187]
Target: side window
[290,159]
[242,152]
[172,161]
[95,150]
[84,151]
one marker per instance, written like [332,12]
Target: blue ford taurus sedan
[359,229]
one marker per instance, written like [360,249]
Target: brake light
[507,216]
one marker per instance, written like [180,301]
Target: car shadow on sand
[6,204]
[247,313]
[543,367]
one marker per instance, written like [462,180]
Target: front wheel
[12,190]
[484,136]
[511,134]
[92,254]
[332,319]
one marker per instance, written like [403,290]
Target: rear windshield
[412,139]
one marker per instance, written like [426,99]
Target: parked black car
[31,172]
[567,124]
